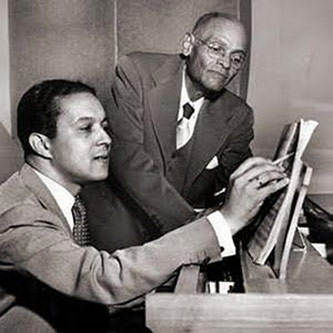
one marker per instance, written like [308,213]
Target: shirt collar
[62,196]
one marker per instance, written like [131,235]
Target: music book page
[276,210]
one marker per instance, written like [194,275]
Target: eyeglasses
[216,51]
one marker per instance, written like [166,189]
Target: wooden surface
[188,280]
[307,273]
[301,303]
[239,313]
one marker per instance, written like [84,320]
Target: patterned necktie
[80,230]
[184,132]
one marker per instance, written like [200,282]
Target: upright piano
[263,302]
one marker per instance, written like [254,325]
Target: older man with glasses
[178,132]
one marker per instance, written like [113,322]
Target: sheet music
[276,211]
[306,130]
[287,234]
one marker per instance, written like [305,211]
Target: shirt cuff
[223,233]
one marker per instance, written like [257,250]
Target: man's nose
[225,61]
[104,138]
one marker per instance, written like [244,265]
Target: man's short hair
[205,19]
[38,109]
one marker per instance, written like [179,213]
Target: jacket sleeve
[137,173]
[31,242]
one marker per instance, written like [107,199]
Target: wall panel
[71,39]
[158,26]
[292,77]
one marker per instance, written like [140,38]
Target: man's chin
[97,177]
[102,176]
[213,91]
[216,87]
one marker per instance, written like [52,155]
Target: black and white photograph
[166,166]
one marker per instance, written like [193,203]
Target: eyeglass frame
[221,53]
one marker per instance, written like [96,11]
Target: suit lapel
[164,101]
[34,183]
[212,129]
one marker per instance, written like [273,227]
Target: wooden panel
[61,39]
[10,155]
[158,26]
[5,117]
[240,313]
[301,303]
[292,77]
[307,273]
[188,280]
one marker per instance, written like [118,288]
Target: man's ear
[40,143]
[187,44]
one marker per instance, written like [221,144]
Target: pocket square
[214,162]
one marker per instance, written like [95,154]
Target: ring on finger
[259,181]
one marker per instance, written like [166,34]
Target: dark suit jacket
[42,269]
[143,115]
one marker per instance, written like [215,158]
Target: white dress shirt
[223,233]
[63,197]
[216,219]
[186,125]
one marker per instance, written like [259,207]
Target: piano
[300,302]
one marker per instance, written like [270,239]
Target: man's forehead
[74,97]
[81,105]
[221,28]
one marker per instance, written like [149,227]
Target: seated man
[51,279]
[178,132]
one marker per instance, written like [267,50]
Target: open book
[273,219]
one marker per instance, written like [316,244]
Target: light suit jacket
[39,259]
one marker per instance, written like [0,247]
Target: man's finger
[267,177]
[248,164]
[272,187]
[259,175]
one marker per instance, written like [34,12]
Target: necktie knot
[78,206]
[188,110]
[184,131]
[80,230]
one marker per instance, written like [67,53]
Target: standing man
[51,279]
[178,132]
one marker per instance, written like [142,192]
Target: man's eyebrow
[86,118]
[218,41]
[82,119]
[239,51]
[224,44]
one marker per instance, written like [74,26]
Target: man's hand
[249,185]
